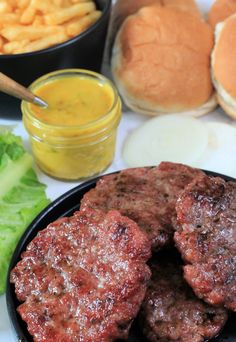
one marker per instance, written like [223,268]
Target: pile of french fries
[31,25]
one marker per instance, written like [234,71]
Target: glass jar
[73,151]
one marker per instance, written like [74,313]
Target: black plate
[65,206]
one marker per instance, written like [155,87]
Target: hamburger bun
[221,10]
[122,9]
[184,5]
[224,65]
[158,69]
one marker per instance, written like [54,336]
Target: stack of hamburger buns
[165,58]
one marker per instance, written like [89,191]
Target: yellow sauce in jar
[75,136]
[73,101]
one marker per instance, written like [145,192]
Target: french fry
[82,24]
[23,3]
[8,19]
[12,3]
[38,21]
[43,43]
[13,47]
[17,33]
[43,6]
[66,14]
[58,3]
[66,3]
[5,7]
[28,15]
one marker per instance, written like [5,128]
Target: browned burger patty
[83,278]
[207,241]
[146,195]
[172,312]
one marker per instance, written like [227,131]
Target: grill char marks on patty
[172,312]
[146,195]
[83,278]
[207,241]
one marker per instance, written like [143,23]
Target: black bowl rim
[70,41]
[14,317]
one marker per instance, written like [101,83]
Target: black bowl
[66,205]
[84,51]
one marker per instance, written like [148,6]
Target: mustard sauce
[73,101]
[74,138]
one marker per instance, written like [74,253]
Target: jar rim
[25,106]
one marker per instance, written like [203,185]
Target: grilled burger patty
[146,195]
[207,241]
[83,278]
[172,312]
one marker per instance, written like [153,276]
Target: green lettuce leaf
[22,197]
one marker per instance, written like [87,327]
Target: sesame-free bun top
[122,9]
[185,5]
[220,10]
[224,65]
[161,60]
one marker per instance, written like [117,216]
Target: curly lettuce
[22,197]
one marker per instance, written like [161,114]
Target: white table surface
[56,188]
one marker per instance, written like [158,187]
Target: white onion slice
[174,138]
[220,154]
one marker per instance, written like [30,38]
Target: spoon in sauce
[11,87]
